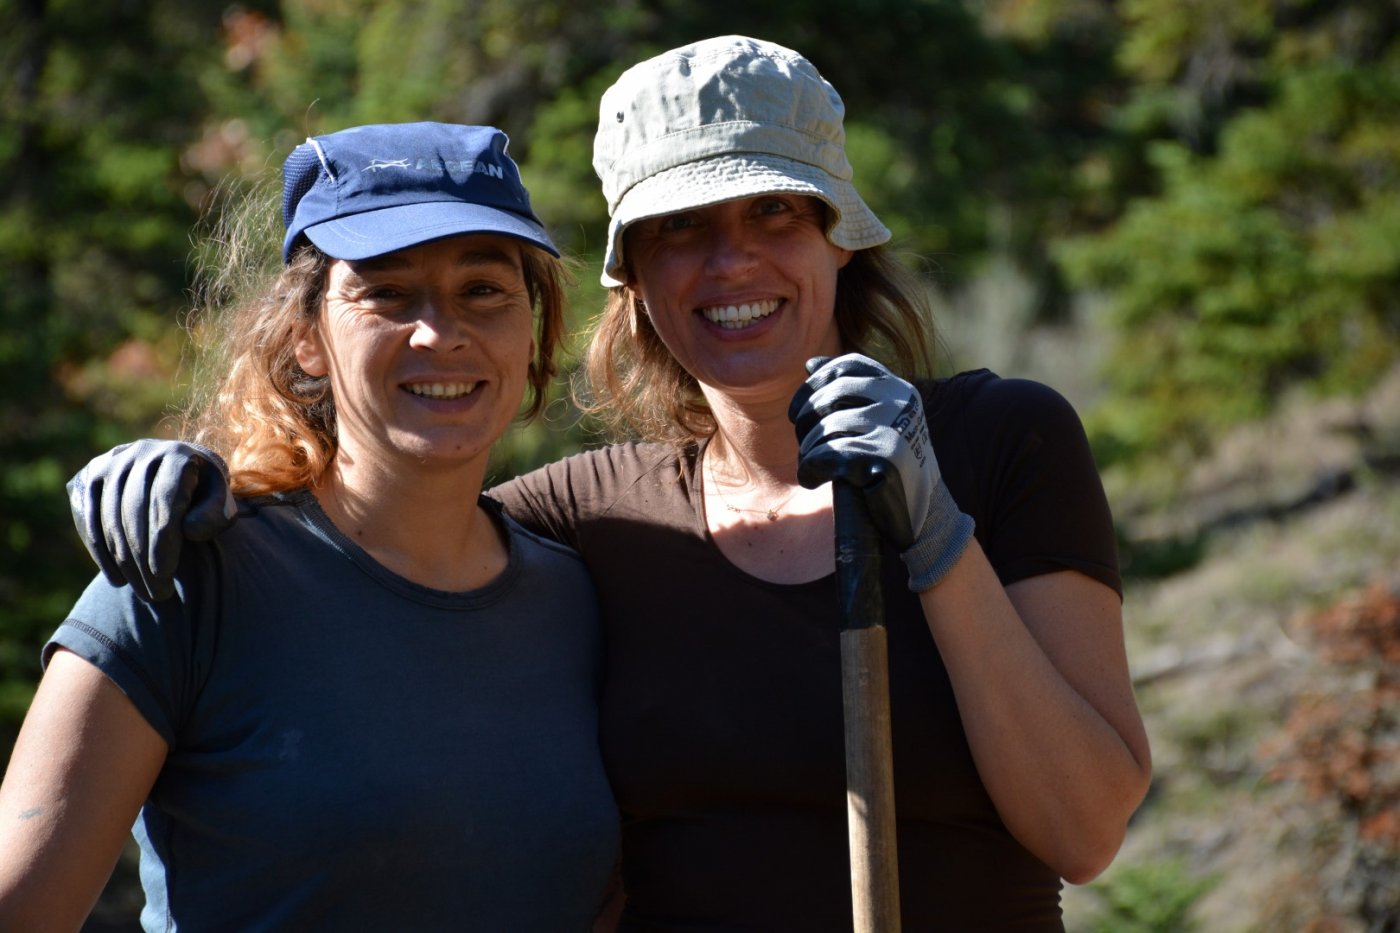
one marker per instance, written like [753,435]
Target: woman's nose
[437,328]
[731,250]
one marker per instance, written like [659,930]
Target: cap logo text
[433,165]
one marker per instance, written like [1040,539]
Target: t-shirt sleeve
[1039,502]
[561,500]
[153,653]
[541,502]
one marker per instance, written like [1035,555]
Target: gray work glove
[135,505]
[856,421]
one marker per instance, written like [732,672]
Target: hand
[858,422]
[135,505]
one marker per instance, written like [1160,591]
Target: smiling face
[742,292]
[427,350]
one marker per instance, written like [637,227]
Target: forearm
[1046,702]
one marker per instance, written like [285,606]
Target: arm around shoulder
[82,767]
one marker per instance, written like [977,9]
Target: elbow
[1089,856]
[1092,852]
[1094,855]
[1088,865]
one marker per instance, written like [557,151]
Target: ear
[843,256]
[310,354]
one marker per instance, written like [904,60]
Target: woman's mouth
[442,390]
[734,317]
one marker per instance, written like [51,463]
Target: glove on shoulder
[858,422]
[135,504]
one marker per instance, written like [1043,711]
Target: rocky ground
[1268,670]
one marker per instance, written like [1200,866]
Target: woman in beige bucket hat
[739,251]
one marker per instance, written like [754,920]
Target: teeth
[447,390]
[733,317]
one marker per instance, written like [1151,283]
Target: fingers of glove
[849,364]
[905,467]
[881,401]
[83,494]
[212,509]
[140,528]
[843,407]
[826,464]
[109,480]
[826,413]
[822,370]
[168,492]
[167,488]
[128,481]
[798,403]
[859,406]
[804,391]
[851,433]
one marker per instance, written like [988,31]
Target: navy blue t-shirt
[352,751]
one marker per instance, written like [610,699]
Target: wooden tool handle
[866,699]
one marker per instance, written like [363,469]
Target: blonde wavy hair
[635,388]
[275,425]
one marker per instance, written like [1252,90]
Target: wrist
[940,543]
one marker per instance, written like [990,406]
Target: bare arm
[1041,676]
[83,765]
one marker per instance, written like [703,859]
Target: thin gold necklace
[771,513]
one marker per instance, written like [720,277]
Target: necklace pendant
[772,515]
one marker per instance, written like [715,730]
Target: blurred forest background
[1185,214]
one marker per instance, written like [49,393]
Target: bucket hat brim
[734,176]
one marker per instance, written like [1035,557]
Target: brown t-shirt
[721,719]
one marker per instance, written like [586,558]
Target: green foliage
[93,228]
[1272,262]
[1150,897]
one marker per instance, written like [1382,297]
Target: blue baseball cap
[371,190]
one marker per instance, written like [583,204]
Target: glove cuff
[940,543]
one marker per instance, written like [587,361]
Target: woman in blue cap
[372,704]
[751,292]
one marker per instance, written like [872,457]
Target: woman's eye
[677,222]
[488,294]
[380,293]
[773,206]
